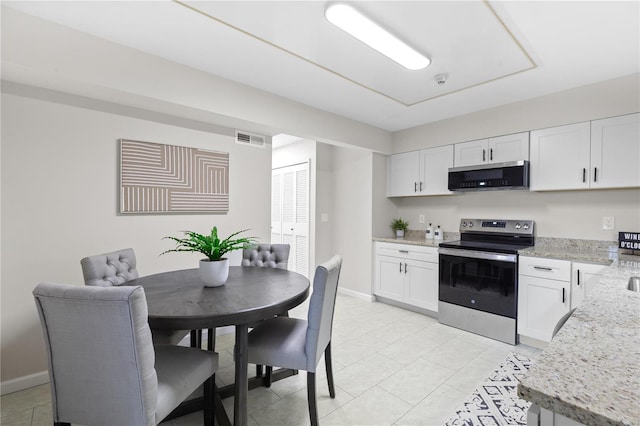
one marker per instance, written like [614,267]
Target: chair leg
[209,401]
[268,376]
[329,368]
[311,398]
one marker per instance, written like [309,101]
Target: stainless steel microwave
[511,175]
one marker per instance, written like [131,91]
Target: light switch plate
[421,218]
[608,222]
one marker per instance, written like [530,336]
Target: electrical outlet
[421,218]
[608,222]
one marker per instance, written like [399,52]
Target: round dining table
[179,300]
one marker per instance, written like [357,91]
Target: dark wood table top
[179,300]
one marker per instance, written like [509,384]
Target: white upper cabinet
[403,174]
[434,165]
[493,150]
[615,152]
[597,154]
[560,158]
[422,172]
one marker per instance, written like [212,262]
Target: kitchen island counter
[590,372]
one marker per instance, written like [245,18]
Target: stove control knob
[464,224]
[518,225]
[526,226]
[470,224]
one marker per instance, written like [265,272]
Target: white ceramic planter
[399,233]
[214,273]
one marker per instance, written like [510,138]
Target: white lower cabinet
[544,296]
[407,273]
[583,277]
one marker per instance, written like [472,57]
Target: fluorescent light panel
[359,26]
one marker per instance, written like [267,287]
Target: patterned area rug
[495,401]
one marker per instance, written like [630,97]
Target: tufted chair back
[110,269]
[267,255]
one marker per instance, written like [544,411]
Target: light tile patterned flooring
[391,367]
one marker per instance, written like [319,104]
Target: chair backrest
[267,255]
[110,269]
[100,354]
[321,307]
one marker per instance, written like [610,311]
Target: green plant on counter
[210,245]
[399,224]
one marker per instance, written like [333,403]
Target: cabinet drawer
[545,268]
[407,251]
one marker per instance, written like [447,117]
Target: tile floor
[391,367]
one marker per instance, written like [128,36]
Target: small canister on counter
[428,233]
[437,233]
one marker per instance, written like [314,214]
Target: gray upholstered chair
[115,269]
[103,367]
[299,344]
[267,255]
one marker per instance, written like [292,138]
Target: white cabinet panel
[615,152]
[509,148]
[584,276]
[560,158]
[471,153]
[403,175]
[407,273]
[541,304]
[434,167]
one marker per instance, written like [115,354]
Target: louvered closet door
[290,201]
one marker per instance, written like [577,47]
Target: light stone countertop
[416,238]
[590,371]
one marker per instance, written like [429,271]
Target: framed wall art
[157,178]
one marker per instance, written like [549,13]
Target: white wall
[325,194]
[60,202]
[564,214]
[352,201]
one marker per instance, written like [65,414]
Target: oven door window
[486,285]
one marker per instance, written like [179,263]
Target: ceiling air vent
[246,138]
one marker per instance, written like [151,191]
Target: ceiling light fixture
[359,26]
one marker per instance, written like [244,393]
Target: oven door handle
[473,254]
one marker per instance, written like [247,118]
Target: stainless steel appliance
[511,175]
[478,284]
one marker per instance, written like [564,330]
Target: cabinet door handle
[400,267]
[405,268]
[484,155]
[415,186]
[595,174]
[584,175]
[491,154]
[578,277]
[403,251]
[543,268]
[420,186]
[563,299]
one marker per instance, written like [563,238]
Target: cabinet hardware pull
[584,175]
[420,186]
[403,251]
[491,154]
[595,174]
[484,155]
[400,267]
[578,276]
[405,268]
[563,295]
[415,186]
[543,268]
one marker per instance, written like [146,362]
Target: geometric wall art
[159,178]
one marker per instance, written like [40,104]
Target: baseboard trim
[356,294]
[24,382]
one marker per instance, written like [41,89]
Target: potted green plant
[214,270]
[399,226]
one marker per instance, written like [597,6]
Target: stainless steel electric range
[478,284]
